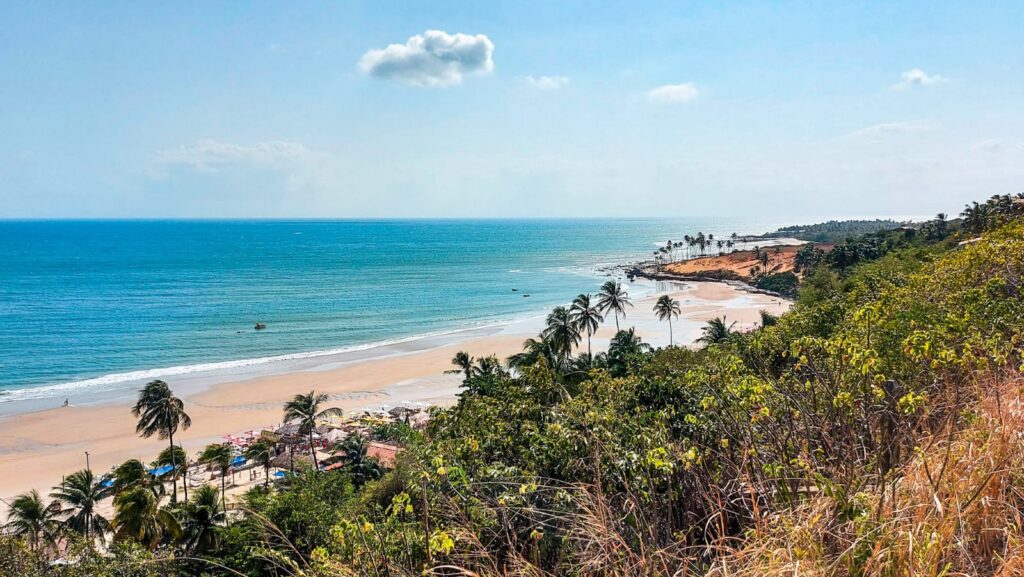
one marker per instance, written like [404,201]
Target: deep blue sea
[93,300]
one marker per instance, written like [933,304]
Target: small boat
[515,290]
[526,295]
[260,326]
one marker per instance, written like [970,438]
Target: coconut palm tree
[261,452]
[305,410]
[562,332]
[200,518]
[132,473]
[219,455]
[78,496]
[360,467]
[716,331]
[138,516]
[175,457]
[623,348]
[464,362]
[612,298]
[586,316]
[31,519]
[487,366]
[535,349]
[665,308]
[161,413]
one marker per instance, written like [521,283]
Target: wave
[109,382]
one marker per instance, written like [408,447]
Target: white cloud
[878,131]
[988,145]
[210,155]
[547,82]
[434,58]
[917,77]
[674,93]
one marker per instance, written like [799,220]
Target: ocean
[90,306]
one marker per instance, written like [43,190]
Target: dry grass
[955,509]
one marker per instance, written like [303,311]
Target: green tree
[29,518]
[200,519]
[561,332]
[360,467]
[623,350]
[464,362]
[139,517]
[261,452]
[219,455]
[161,413]
[586,316]
[78,495]
[132,473]
[716,331]
[535,349]
[305,410]
[176,458]
[665,308]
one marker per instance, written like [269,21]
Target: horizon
[369,111]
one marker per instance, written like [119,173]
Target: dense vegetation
[875,429]
[834,230]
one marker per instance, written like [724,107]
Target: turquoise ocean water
[93,303]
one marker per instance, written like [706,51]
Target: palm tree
[612,298]
[562,332]
[138,516]
[716,331]
[132,473]
[624,347]
[487,366]
[586,317]
[219,455]
[175,457]
[464,362]
[534,349]
[29,518]
[261,452]
[305,409]
[200,519]
[79,494]
[361,468]
[665,308]
[161,413]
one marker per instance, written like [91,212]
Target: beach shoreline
[38,447]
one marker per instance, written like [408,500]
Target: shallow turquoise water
[93,299]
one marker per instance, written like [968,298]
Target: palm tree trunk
[223,493]
[589,354]
[616,321]
[312,450]
[184,478]
[174,471]
[670,341]
[266,475]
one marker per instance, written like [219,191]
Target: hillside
[873,430]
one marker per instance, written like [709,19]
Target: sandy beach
[37,448]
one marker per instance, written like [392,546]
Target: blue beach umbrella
[161,470]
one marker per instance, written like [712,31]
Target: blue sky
[544,109]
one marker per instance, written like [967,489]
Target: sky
[518,109]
